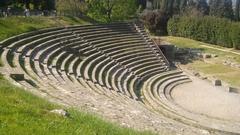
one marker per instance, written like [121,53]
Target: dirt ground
[202,97]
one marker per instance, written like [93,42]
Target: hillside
[15,25]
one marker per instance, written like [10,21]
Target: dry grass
[214,66]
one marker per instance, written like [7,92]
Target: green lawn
[229,75]
[15,25]
[189,43]
[22,113]
[213,67]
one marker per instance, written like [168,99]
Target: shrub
[207,29]
[235,34]
[156,22]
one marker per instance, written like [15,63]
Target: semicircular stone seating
[118,60]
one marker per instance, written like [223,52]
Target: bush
[207,29]
[155,21]
[235,34]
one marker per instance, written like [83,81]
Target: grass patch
[189,43]
[23,113]
[213,66]
[225,73]
[15,25]
[209,68]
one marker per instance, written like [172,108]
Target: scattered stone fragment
[196,74]
[60,112]
[125,125]
[214,55]
[203,78]
[142,97]
[207,56]
[233,90]
[205,132]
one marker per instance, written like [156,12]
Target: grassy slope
[214,66]
[23,113]
[16,25]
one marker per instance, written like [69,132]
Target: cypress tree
[197,7]
[183,5]
[228,9]
[237,10]
[221,8]
[176,6]
[202,6]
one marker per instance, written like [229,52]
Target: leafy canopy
[111,10]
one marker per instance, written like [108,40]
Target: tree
[103,8]
[37,3]
[176,7]
[156,22]
[49,4]
[228,9]
[197,7]
[4,3]
[202,6]
[237,10]
[183,5]
[173,7]
[170,7]
[111,10]
[221,8]
[71,7]
[142,3]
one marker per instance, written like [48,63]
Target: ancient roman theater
[117,71]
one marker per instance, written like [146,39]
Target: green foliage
[237,10]
[176,7]
[71,7]
[221,8]
[196,8]
[156,22]
[111,10]
[235,34]
[22,113]
[168,6]
[207,29]
[30,4]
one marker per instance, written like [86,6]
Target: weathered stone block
[217,82]
[234,90]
